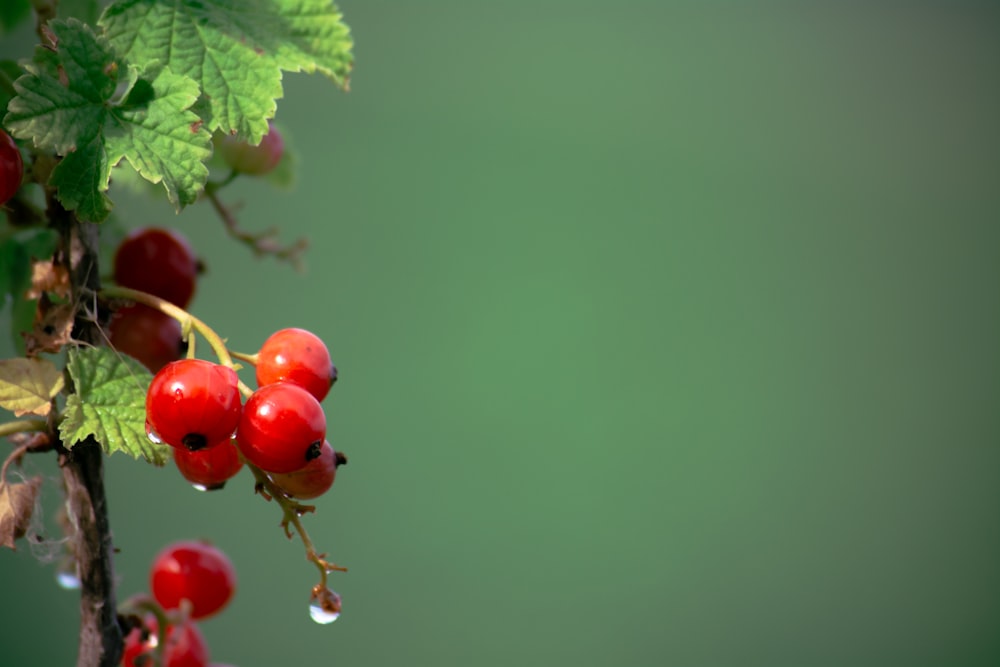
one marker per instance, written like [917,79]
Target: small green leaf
[234,49]
[90,107]
[109,404]
[27,386]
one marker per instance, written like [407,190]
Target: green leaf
[234,49]
[109,403]
[12,12]
[27,386]
[87,105]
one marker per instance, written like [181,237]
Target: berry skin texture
[282,428]
[193,404]
[11,168]
[147,335]
[314,479]
[256,160]
[185,646]
[195,571]
[159,262]
[209,468]
[297,356]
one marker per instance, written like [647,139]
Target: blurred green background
[668,335]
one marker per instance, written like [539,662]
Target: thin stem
[242,356]
[146,603]
[261,243]
[185,318]
[292,510]
[14,455]
[45,10]
[22,426]
[215,186]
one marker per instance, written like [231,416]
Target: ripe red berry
[282,428]
[146,334]
[314,479]
[193,571]
[11,168]
[297,356]
[193,403]
[159,262]
[209,468]
[185,646]
[252,160]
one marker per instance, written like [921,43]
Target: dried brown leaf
[47,276]
[52,328]
[17,504]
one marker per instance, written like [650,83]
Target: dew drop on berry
[325,607]
[152,435]
[200,487]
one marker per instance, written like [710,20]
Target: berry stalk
[188,321]
[292,511]
[22,426]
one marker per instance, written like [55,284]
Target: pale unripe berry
[252,160]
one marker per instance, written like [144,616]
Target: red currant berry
[159,262]
[297,356]
[282,428]
[209,469]
[193,571]
[146,334]
[11,168]
[193,403]
[252,160]
[314,479]
[185,646]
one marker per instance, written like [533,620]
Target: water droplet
[324,607]
[67,579]
[200,487]
[152,435]
[320,616]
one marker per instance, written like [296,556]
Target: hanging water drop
[67,578]
[321,616]
[324,606]
[200,487]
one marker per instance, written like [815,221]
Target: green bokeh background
[668,335]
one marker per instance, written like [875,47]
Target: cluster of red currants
[189,581]
[195,406]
